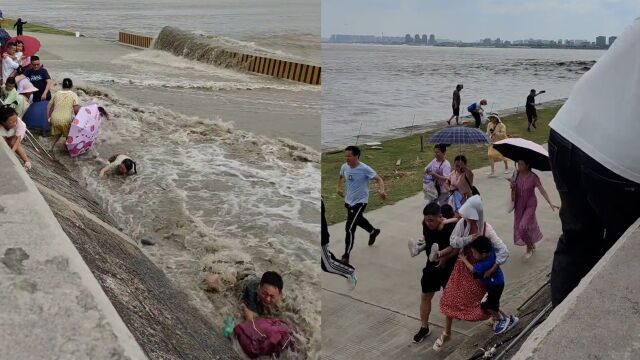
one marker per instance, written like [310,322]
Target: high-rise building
[497,42]
[432,39]
[408,39]
[424,39]
[559,41]
[612,39]
[601,41]
[417,39]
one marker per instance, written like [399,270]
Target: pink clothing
[525,224]
[21,129]
[458,182]
[462,296]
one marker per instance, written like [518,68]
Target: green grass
[405,180]
[36,28]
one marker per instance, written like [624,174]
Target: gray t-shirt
[250,295]
[356,183]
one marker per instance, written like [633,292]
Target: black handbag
[474,190]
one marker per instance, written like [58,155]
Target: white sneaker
[434,254]
[507,171]
[416,246]
[491,174]
[353,281]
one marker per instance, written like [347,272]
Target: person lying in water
[261,296]
[119,165]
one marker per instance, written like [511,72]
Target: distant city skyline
[436,37]
[472,20]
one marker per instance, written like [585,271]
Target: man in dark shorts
[435,273]
[532,115]
[455,104]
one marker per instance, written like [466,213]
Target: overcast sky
[470,20]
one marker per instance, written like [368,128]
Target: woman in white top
[119,165]
[462,296]
[435,176]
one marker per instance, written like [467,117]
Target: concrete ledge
[600,319]
[52,305]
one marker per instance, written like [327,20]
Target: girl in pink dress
[525,225]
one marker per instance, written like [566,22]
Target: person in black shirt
[436,231]
[532,116]
[18,25]
[40,78]
[455,104]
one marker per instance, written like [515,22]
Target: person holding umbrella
[526,231]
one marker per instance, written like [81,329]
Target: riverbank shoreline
[404,131]
[405,180]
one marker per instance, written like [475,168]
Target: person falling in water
[530,107]
[119,165]
[455,104]
[356,176]
[329,263]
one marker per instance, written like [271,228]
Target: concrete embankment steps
[283,69]
[87,282]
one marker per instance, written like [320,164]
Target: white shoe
[491,174]
[27,165]
[528,255]
[353,281]
[416,246]
[507,171]
[434,254]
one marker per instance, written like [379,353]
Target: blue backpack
[471,108]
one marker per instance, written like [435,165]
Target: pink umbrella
[84,130]
[31,44]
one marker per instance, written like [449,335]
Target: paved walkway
[379,318]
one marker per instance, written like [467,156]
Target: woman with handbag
[460,183]
[435,175]
[496,131]
[525,225]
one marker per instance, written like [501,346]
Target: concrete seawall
[76,286]
[600,317]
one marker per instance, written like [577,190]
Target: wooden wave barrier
[181,44]
[136,40]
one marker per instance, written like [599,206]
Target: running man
[532,115]
[356,176]
[329,262]
[436,231]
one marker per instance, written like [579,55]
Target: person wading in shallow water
[356,176]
